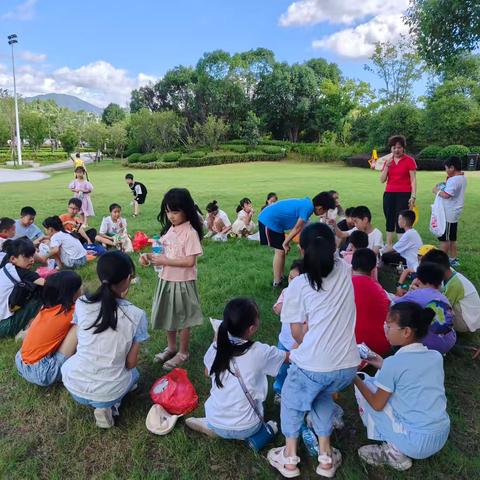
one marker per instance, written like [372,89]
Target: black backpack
[22,292]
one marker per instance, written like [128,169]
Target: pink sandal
[278,460]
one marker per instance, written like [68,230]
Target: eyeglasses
[387,327]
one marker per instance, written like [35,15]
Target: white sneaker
[103,417]
[384,454]
[199,425]
[334,459]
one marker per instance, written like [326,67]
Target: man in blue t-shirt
[291,214]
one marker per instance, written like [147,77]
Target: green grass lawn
[44,434]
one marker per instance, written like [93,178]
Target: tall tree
[113,113]
[70,138]
[443,29]
[34,128]
[399,66]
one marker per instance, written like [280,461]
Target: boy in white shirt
[66,249]
[113,230]
[405,250]
[362,218]
[453,195]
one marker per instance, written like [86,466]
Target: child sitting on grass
[7,230]
[405,250]
[110,330]
[371,302]
[404,405]
[113,230]
[358,239]
[285,340]
[65,248]
[441,336]
[243,225]
[460,291]
[73,225]
[15,267]
[362,219]
[217,223]
[327,355]
[51,337]
[24,226]
[228,412]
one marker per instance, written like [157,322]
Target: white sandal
[334,459]
[164,356]
[178,360]
[278,460]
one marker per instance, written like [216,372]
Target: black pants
[91,234]
[393,204]
[393,258]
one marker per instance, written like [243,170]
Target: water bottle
[310,440]
[157,249]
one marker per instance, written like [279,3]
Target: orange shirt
[69,221]
[46,333]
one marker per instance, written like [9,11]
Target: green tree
[251,129]
[444,29]
[69,139]
[284,99]
[117,138]
[399,66]
[401,118]
[34,128]
[211,132]
[4,130]
[113,113]
[453,113]
[96,135]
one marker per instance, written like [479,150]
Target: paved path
[36,173]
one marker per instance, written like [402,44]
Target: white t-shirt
[97,370]
[455,187]
[228,407]
[329,343]
[70,247]
[407,246]
[111,228]
[6,288]
[224,217]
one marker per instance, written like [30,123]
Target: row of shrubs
[41,156]
[216,158]
[171,157]
[435,151]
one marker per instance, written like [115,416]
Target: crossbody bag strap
[246,392]
[9,276]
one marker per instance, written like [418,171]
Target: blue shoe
[454,262]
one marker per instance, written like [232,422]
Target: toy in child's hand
[365,352]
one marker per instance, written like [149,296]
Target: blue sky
[100,50]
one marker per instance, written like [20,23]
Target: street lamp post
[12,39]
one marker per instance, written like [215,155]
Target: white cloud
[33,57]
[99,82]
[359,42]
[311,12]
[23,11]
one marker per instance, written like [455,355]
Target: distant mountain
[67,101]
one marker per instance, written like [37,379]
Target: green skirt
[176,306]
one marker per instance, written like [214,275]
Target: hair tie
[105,282]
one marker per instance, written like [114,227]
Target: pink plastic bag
[175,393]
[45,272]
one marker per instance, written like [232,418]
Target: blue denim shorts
[305,391]
[45,372]
[110,403]
[236,434]
[77,262]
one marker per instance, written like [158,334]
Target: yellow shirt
[78,162]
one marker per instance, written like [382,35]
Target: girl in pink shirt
[176,306]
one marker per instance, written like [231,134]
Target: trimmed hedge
[171,157]
[213,159]
[432,151]
[454,151]
[271,148]
[134,158]
[234,147]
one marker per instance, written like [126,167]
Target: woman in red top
[399,173]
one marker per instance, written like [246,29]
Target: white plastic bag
[438,222]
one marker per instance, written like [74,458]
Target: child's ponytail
[242,203]
[318,243]
[412,315]
[238,316]
[112,268]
